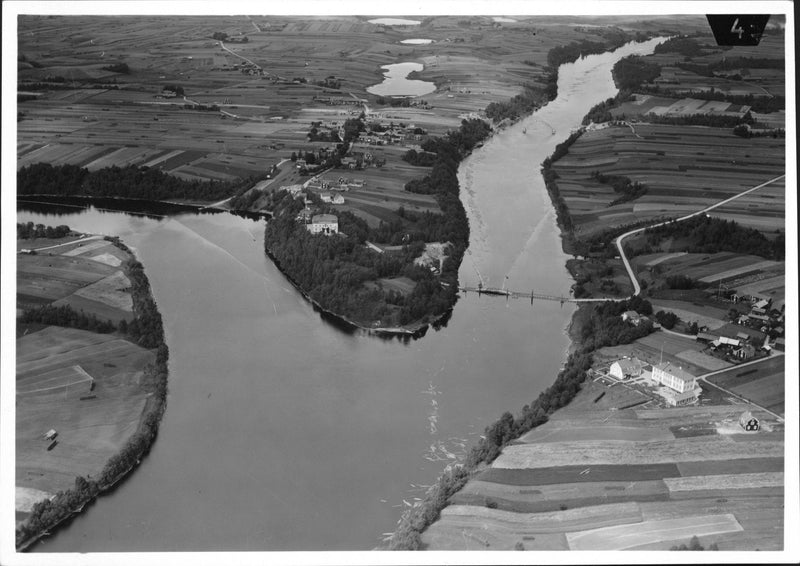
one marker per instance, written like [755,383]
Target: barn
[748,422]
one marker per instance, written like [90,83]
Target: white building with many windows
[326,224]
[680,387]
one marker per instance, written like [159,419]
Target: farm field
[762,383]
[596,478]
[229,123]
[56,367]
[85,274]
[685,169]
[85,386]
[644,104]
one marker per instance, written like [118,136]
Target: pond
[396,83]
[394,22]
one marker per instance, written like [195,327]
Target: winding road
[636,288]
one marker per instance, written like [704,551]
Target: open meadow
[86,275]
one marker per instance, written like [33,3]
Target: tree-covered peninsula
[373,276]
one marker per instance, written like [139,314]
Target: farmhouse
[680,386]
[748,422]
[632,317]
[326,224]
[626,368]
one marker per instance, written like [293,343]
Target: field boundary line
[636,288]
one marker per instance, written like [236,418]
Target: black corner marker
[730,29]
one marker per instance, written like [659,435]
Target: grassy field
[596,478]
[762,383]
[83,274]
[684,169]
[55,368]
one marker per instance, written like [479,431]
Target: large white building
[326,224]
[680,386]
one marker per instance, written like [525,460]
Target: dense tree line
[571,52]
[531,98]
[629,189]
[631,71]
[49,513]
[128,182]
[730,64]
[708,120]
[27,231]
[680,281]
[601,112]
[419,158]
[686,46]
[694,544]
[667,319]
[65,315]
[551,176]
[746,131]
[704,234]
[118,68]
[606,328]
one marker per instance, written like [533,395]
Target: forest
[629,189]
[27,231]
[342,275]
[632,71]
[705,234]
[127,182]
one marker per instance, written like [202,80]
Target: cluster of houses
[342,184]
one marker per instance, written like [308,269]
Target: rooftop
[324,219]
[675,371]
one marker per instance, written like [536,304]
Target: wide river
[283,432]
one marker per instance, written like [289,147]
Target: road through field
[636,288]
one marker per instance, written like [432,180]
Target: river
[284,432]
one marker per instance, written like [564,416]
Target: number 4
[735,29]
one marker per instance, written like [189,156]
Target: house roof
[325,218]
[628,364]
[675,371]
[742,335]
[706,336]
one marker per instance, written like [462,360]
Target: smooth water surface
[417,41]
[283,432]
[396,83]
[394,22]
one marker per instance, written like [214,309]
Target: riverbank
[110,396]
[144,207]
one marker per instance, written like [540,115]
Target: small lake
[416,41]
[504,20]
[394,22]
[396,83]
